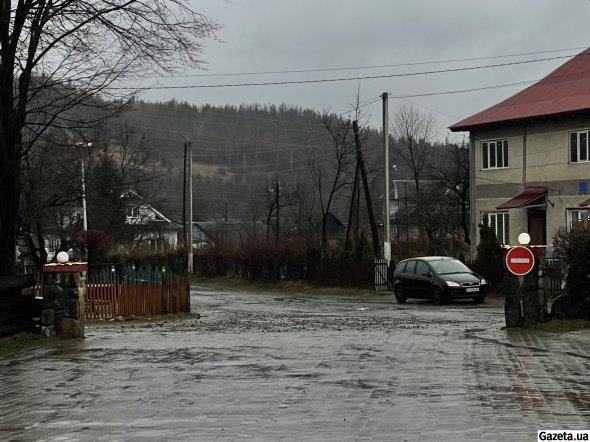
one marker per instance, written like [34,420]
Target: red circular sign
[520,260]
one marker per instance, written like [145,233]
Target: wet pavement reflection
[295,367]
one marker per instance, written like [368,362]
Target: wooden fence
[553,278]
[113,292]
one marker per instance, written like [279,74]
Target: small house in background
[201,239]
[151,228]
[530,157]
[335,232]
[231,232]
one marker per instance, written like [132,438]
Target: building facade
[530,157]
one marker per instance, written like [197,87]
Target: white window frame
[498,155]
[580,150]
[504,235]
[132,212]
[572,215]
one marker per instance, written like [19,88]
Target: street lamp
[524,239]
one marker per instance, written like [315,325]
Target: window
[132,212]
[499,222]
[574,216]
[422,268]
[579,146]
[401,267]
[410,267]
[494,154]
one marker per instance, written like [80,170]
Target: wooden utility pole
[361,163]
[352,206]
[277,205]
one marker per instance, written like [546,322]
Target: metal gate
[381,269]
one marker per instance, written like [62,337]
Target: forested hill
[237,152]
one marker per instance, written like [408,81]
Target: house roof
[529,195]
[565,90]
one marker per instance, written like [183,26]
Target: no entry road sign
[520,260]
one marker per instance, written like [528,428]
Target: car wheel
[479,299]
[400,297]
[437,296]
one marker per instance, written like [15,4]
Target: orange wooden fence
[137,293]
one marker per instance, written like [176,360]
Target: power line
[349,68]
[331,80]
[459,91]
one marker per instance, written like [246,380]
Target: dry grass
[563,325]
[24,341]
[288,287]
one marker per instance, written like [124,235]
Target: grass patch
[562,325]
[286,287]
[24,341]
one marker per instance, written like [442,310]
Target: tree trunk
[9,203]
[324,235]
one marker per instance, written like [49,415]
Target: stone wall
[64,287]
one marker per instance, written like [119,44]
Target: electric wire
[347,68]
[332,80]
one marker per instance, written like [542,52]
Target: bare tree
[276,197]
[451,172]
[57,56]
[415,132]
[328,177]
[51,184]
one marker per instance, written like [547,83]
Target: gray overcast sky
[278,35]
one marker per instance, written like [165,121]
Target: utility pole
[361,163]
[352,207]
[386,233]
[84,212]
[83,170]
[184,219]
[277,205]
[189,156]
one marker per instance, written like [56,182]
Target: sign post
[522,304]
[520,260]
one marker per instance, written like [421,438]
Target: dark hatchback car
[438,278]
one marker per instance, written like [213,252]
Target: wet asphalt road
[292,367]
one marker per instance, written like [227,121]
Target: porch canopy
[529,197]
[585,203]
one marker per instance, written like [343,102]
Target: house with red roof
[530,157]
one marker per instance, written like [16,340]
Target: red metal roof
[566,89]
[585,203]
[529,195]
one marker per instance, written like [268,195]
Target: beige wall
[547,163]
